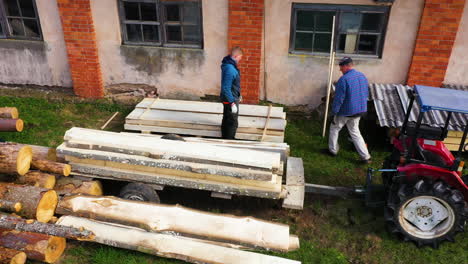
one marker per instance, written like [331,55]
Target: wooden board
[91,171]
[208,107]
[295,184]
[452,133]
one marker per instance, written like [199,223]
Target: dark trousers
[229,124]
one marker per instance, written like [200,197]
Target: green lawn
[331,230]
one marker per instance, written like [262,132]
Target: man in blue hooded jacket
[230,93]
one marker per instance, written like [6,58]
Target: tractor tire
[139,192]
[425,213]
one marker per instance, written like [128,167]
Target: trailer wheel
[139,192]
[425,213]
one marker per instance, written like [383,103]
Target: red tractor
[426,193]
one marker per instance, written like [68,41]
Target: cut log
[38,203]
[14,158]
[11,125]
[68,185]
[9,112]
[13,222]
[12,256]
[188,222]
[42,153]
[51,166]
[166,245]
[10,206]
[38,179]
[36,246]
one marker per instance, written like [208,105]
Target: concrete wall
[458,64]
[177,73]
[37,62]
[301,79]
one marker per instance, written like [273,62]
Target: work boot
[328,153]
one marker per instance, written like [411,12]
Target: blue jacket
[352,91]
[230,80]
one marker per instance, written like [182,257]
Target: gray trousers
[352,123]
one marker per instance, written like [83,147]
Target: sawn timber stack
[259,123]
[126,157]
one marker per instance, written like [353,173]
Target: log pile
[9,121]
[259,123]
[177,163]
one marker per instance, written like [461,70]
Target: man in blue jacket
[350,103]
[230,93]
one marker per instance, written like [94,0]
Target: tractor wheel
[425,213]
[139,192]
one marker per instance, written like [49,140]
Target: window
[168,23]
[358,30]
[19,20]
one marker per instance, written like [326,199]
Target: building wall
[37,62]
[301,79]
[176,73]
[458,64]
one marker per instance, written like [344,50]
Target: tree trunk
[10,206]
[13,222]
[11,125]
[36,246]
[12,256]
[52,167]
[189,222]
[37,179]
[42,153]
[38,203]
[168,245]
[9,112]
[67,185]
[14,158]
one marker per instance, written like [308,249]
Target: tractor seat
[425,131]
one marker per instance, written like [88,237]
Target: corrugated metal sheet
[391,102]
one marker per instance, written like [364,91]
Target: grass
[331,230]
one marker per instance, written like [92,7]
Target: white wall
[458,63]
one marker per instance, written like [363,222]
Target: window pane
[173,33]
[150,33]
[322,42]
[172,13]
[131,11]
[303,41]
[27,8]
[192,34]
[350,43]
[191,13]
[368,44]
[148,12]
[305,20]
[31,28]
[16,26]
[371,22]
[341,42]
[12,8]
[350,22]
[133,32]
[324,21]
[1,30]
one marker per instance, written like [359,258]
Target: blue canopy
[432,98]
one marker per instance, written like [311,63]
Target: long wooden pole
[330,77]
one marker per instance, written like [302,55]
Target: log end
[293,242]
[46,207]
[50,181]
[20,258]
[55,249]
[18,207]
[19,125]
[13,112]
[23,161]
[94,187]
[52,154]
[66,170]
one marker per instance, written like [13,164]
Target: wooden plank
[453,140]
[168,245]
[87,170]
[166,149]
[204,133]
[294,197]
[204,119]
[265,128]
[208,107]
[295,172]
[453,147]
[452,133]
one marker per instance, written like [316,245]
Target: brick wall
[436,36]
[80,40]
[246,31]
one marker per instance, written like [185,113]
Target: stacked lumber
[176,231]
[176,163]
[259,123]
[9,121]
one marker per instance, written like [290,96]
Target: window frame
[7,32]
[162,24]
[339,9]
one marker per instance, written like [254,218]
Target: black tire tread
[141,189]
